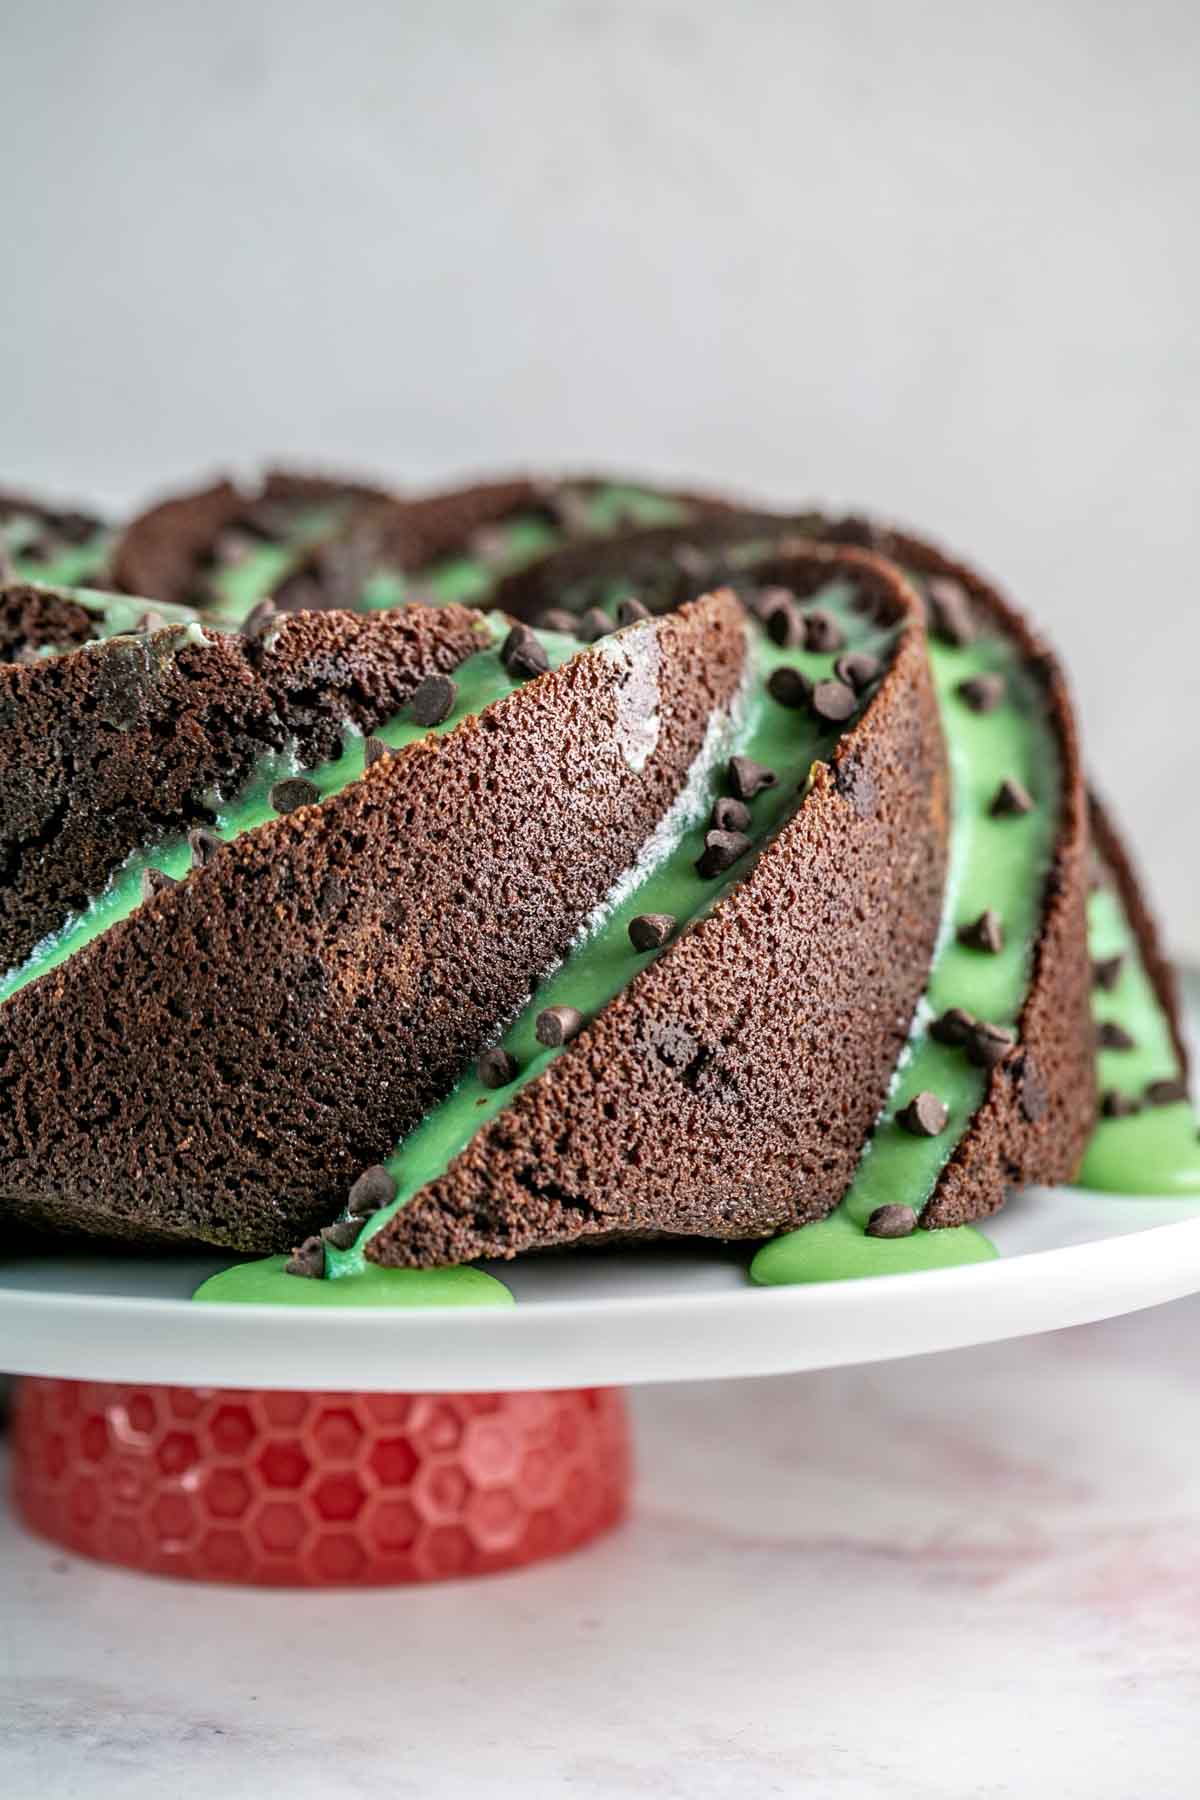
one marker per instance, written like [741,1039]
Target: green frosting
[112,615]
[994,862]
[70,564]
[264,1283]
[481,680]
[1155,1151]
[238,588]
[665,881]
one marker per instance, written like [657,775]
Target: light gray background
[936,260]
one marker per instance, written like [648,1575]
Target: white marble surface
[956,1578]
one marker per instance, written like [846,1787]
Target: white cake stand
[612,1318]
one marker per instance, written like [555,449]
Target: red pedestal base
[316,1490]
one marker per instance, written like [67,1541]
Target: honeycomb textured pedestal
[314,1490]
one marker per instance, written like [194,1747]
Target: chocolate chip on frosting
[156,881]
[924,1116]
[343,1232]
[260,618]
[1166,1093]
[858,670]
[891,1222]
[522,654]
[375,750]
[150,621]
[496,1068]
[594,624]
[433,700]
[954,1027]
[1111,1036]
[1106,972]
[790,687]
[1010,799]
[557,618]
[557,1025]
[833,702]
[204,846]
[729,814]
[982,693]
[748,778]
[307,1260]
[631,610]
[950,610]
[1115,1105]
[721,850]
[374,1188]
[984,933]
[650,931]
[782,619]
[822,632]
[290,795]
[989,1044]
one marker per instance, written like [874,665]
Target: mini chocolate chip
[1106,972]
[650,931]
[984,933]
[490,543]
[343,1232]
[557,618]
[782,619]
[730,815]
[260,618]
[1166,1093]
[748,778]
[892,1222]
[1010,799]
[1115,1105]
[924,1116]
[594,624]
[1111,1036]
[721,850]
[151,621]
[982,693]
[308,1260]
[822,632]
[989,1044]
[204,846]
[290,795]
[374,1188]
[1033,1097]
[834,702]
[858,670]
[433,700]
[791,687]
[631,610]
[496,1068]
[950,610]
[156,881]
[955,1027]
[557,1025]
[522,654]
[375,750]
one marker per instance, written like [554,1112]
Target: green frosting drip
[264,1283]
[1154,1151]
[481,680]
[994,862]
[666,881]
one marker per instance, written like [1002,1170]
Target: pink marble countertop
[962,1576]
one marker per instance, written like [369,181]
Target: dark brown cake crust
[1040,1105]
[103,751]
[1117,863]
[33,618]
[728,1090]
[161,552]
[223,1063]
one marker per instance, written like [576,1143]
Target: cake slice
[147,734]
[214,1052]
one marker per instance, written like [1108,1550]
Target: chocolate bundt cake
[727,876]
